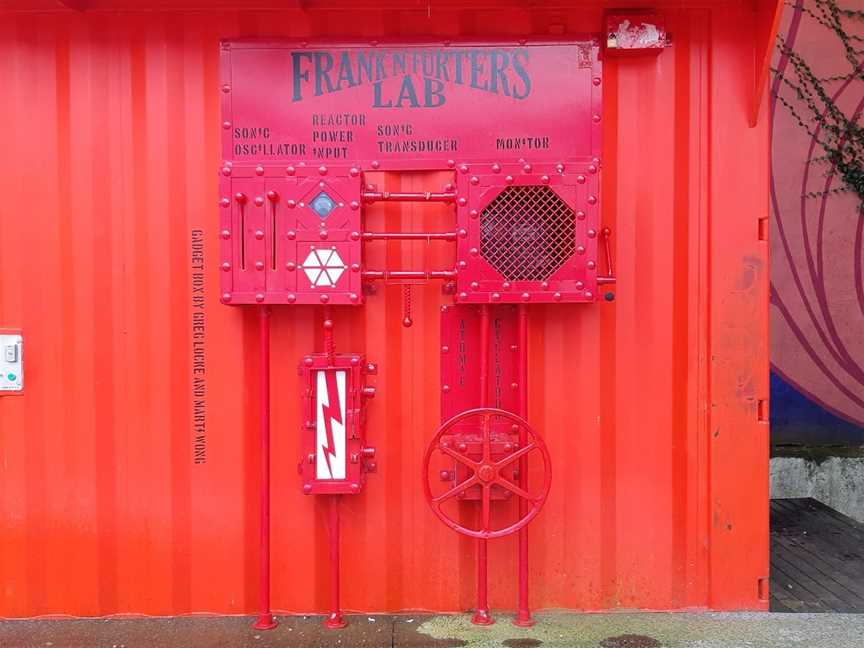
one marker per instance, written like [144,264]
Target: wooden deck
[817,558]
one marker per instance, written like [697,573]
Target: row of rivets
[464,168]
[525,296]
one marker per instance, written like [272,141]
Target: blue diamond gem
[322,204]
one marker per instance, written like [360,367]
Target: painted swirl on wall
[817,289]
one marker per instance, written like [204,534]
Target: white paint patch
[330,425]
[323,268]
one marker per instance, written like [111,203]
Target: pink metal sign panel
[410,105]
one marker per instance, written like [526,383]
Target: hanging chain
[406,306]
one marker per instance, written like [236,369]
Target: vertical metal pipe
[329,343]
[523,616]
[334,619]
[482,615]
[265,619]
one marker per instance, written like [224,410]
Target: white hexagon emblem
[323,268]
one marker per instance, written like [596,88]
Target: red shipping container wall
[114,499]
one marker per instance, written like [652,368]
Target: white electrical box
[11,363]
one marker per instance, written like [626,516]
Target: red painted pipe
[408,274]
[265,619]
[523,615]
[335,620]
[417,196]
[482,615]
[329,344]
[409,236]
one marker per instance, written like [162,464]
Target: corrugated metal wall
[109,128]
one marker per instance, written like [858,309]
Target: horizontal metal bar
[605,280]
[408,274]
[409,236]
[417,196]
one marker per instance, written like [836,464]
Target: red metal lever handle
[487,473]
[606,233]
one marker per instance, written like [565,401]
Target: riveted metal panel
[334,457]
[531,233]
[277,249]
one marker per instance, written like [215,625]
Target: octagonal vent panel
[527,233]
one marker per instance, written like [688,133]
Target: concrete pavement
[553,629]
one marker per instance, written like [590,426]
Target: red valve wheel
[487,472]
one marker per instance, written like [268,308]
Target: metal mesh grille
[527,233]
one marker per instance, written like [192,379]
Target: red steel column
[523,616]
[265,619]
[482,615]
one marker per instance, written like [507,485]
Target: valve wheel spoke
[521,452]
[458,457]
[516,490]
[468,483]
